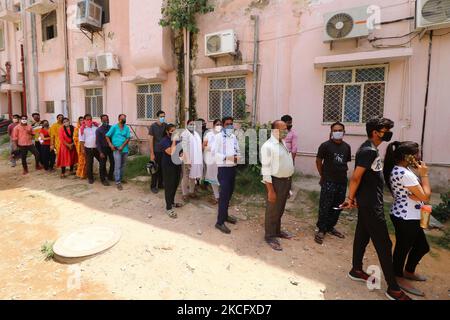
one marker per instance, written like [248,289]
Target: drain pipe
[66,61]
[255,18]
[425,109]
[24,83]
[34,58]
[8,80]
[24,60]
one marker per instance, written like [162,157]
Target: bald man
[277,171]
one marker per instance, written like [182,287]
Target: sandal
[274,244]
[172,214]
[286,235]
[319,237]
[336,233]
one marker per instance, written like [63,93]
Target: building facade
[380,62]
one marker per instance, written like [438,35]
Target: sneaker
[231,219]
[119,187]
[223,228]
[358,275]
[397,295]
[155,190]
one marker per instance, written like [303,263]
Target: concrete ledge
[237,70]
[90,84]
[5,87]
[147,76]
[358,58]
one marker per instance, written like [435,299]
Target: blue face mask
[229,129]
[162,119]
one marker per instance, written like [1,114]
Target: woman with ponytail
[409,194]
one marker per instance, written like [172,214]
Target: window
[105,6]
[94,102]
[354,95]
[227,98]
[2,37]
[149,100]
[49,106]
[49,26]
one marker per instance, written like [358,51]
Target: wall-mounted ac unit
[107,62]
[220,43]
[89,15]
[86,65]
[42,6]
[346,24]
[433,14]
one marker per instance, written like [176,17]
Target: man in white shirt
[88,143]
[227,154]
[277,171]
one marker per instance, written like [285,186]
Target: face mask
[46,125]
[162,120]
[88,123]
[105,123]
[66,124]
[229,129]
[218,128]
[123,121]
[16,120]
[337,135]
[191,128]
[283,134]
[23,121]
[387,136]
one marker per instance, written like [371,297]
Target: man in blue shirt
[105,151]
[118,138]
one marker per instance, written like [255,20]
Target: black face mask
[123,121]
[289,127]
[387,137]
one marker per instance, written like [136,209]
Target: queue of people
[212,156]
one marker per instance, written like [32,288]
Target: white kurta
[192,153]
[210,160]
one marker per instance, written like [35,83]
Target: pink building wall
[289,82]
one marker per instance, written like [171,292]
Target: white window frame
[233,109]
[91,97]
[148,94]
[354,83]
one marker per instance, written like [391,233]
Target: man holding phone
[332,159]
[366,193]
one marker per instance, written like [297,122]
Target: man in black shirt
[104,151]
[157,131]
[366,193]
[332,159]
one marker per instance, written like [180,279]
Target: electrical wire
[394,37]
[396,45]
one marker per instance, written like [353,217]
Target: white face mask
[337,135]
[24,121]
[218,128]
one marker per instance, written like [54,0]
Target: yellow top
[54,135]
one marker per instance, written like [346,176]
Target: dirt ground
[161,258]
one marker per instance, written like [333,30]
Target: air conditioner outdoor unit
[433,14]
[346,24]
[89,15]
[42,6]
[220,43]
[86,65]
[107,62]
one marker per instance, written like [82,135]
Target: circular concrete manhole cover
[87,241]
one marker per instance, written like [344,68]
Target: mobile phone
[338,209]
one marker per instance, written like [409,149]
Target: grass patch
[387,214]
[248,182]
[5,154]
[47,250]
[4,139]
[136,167]
[442,241]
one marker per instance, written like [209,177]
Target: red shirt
[23,135]
[46,134]
[11,128]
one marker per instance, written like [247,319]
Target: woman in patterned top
[409,194]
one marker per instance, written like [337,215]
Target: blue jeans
[119,165]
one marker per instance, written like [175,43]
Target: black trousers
[372,225]
[24,153]
[172,177]
[332,195]
[48,157]
[410,243]
[157,178]
[91,153]
[38,146]
[63,169]
[104,174]
[275,211]
[227,178]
